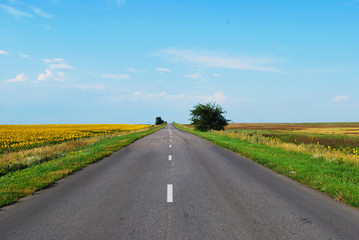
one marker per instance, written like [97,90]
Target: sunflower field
[14,137]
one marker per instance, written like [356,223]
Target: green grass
[15,185]
[339,180]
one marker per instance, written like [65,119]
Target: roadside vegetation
[299,152]
[23,172]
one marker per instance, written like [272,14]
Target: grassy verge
[14,161]
[338,179]
[15,185]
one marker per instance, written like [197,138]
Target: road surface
[173,185]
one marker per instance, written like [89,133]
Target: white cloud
[45,76]
[19,78]
[162,94]
[163,69]
[90,87]
[85,87]
[49,75]
[57,63]
[3,52]
[218,97]
[216,75]
[58,59]
[115,76]
[60,76]
[196,75]
[61,66]
[47,60]
[341,98]
[23,55]
[220,60]
[134,70]
[40,13]
[24,12]
[15,12]
[51,72]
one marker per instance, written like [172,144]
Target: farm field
[15,137]
[22,146]
[336,137]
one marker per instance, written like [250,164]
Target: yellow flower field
[25,136]
[354,131]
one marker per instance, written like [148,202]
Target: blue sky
[129,61]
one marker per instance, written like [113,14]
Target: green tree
[208,116]
[159,121]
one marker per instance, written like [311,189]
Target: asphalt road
[172,185]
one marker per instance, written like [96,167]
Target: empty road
[173,185]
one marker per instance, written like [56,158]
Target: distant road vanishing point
[173,185]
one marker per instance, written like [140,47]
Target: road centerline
[169,193]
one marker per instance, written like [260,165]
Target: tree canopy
[208,116]
[159,121]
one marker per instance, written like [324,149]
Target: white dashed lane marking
[169,193]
